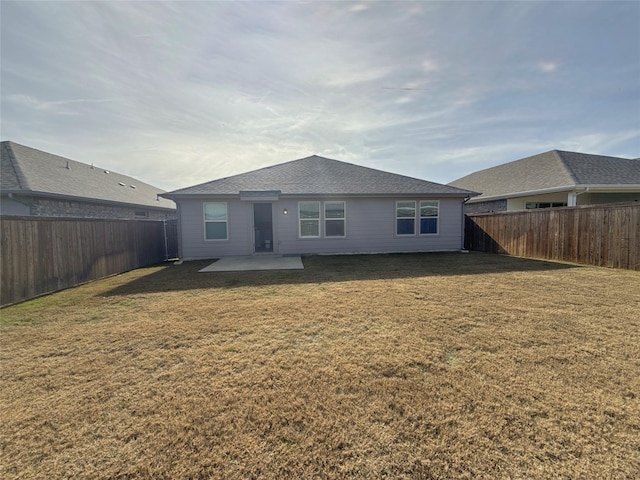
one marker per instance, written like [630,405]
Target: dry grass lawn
[392,366]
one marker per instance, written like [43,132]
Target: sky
[180,93]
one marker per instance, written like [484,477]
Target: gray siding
[9,206]
[370,228]
[192,241]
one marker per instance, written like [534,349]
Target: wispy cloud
[360,7]
[548,67]
[178,93]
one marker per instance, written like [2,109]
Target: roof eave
[194,196]
[486,198]
[31,193]
[567,188]
[629,187]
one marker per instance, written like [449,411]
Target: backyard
[390,366]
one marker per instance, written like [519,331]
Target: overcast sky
[177,94]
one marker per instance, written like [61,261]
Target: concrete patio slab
[253,263]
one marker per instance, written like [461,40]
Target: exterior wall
[520,203]
[192,240]
[9,206]
[600,198]
[490,206]
[47,207]
[370,228]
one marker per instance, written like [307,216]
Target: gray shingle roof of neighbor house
[317,175]
[29,171]
[551,170]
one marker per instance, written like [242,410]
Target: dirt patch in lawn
[390,366]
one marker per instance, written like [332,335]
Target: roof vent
[68,167]
[107,171]
[92,166]
[132,186]
[121,184]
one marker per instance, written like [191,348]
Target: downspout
[576,196]
[166,242]
[462,230]
[13,197]
[179,226]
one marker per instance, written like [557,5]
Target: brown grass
[398,366]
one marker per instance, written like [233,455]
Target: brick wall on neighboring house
[46,207]
[481,207]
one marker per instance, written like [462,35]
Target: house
[33,182]
[553,179]
[317,205]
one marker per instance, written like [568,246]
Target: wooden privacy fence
[41,255]
[602,235]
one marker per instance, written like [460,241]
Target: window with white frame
[429,210]
[532,205]
[334,219]
[405,217]
[215,221]
[309,218]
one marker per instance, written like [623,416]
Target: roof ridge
[13,161]
[317,175]
[267,167]
[572,152]
[565,165]
[378,170]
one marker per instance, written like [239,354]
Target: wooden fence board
[603,235]
[40,255]
[633,240]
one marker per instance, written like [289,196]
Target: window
[405,218]
[429,217]
[141,213]
[533,205]
[426,215]
[309,218]
[215,221]
[334,219]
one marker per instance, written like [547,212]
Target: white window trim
[420,217]
[319,220]
[396,218]
[344,218]
[205,221]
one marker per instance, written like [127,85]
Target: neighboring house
[316,205]
[33,182]
[553,179]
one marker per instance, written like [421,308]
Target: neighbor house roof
[316,175]
[28,171]
[556,170]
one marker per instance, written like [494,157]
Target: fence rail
[41,255]
[602,235]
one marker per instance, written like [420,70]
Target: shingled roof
[28,171]
[556,169]
[317,176]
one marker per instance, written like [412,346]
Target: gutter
[27,193]
[197,196]
[15,199]
[566,188]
